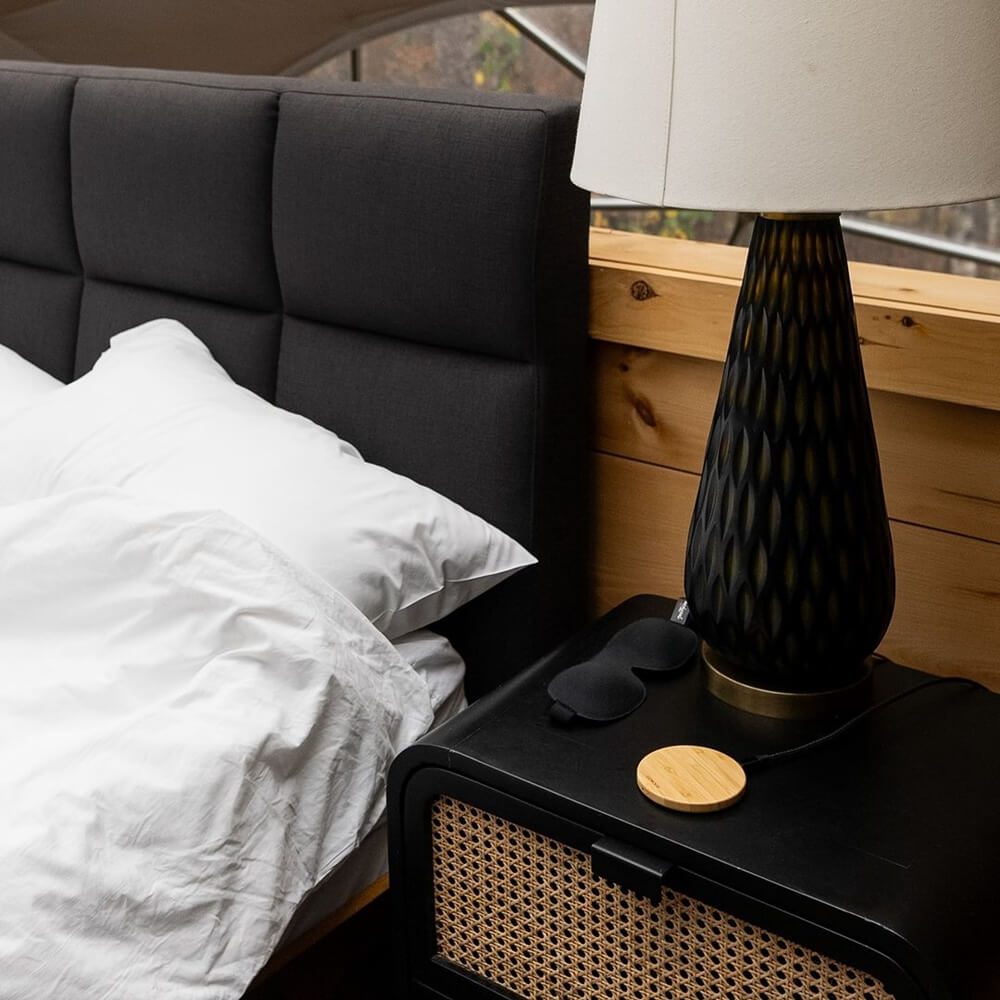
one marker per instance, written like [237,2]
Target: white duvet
[193,732]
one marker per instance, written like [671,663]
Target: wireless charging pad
[691,779]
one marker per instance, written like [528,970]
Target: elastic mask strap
[561,714]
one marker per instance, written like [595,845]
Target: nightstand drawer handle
[629,867]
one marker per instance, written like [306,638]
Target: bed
[405,268]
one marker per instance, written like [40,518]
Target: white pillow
[160,418]
[438,664]
[21,383]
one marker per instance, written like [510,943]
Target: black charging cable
[764,759]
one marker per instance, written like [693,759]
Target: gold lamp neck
[799,216]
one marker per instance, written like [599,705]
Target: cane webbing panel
[525,912]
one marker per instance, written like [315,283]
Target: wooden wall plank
[873,281]
[653,406]
[642,513]
[663,311]
[909,348]
[948,587]
[940,462]
[947,616]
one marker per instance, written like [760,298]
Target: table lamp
[797,110]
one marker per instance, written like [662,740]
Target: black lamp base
[789,571]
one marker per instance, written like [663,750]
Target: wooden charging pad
[691,779]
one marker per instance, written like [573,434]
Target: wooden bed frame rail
[661,312]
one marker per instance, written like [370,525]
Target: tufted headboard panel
[406,267]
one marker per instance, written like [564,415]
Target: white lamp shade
[792,105]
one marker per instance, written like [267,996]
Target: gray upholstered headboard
[406,267]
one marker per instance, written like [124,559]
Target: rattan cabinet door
[517,911]
[525,912]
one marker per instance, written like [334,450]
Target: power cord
[759,760]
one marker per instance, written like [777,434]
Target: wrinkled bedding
[193,732]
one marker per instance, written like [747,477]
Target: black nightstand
[525,862]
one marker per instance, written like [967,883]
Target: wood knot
[642,290]
[908,321]
[645,411]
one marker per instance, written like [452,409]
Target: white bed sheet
[442,669]
[163,815]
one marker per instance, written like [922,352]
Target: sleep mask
[605,687]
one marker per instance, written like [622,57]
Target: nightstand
[526,863]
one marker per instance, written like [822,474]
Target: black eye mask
[604,688]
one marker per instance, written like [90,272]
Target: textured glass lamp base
[789,572]
[743,690]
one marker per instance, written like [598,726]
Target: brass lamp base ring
[744,691]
